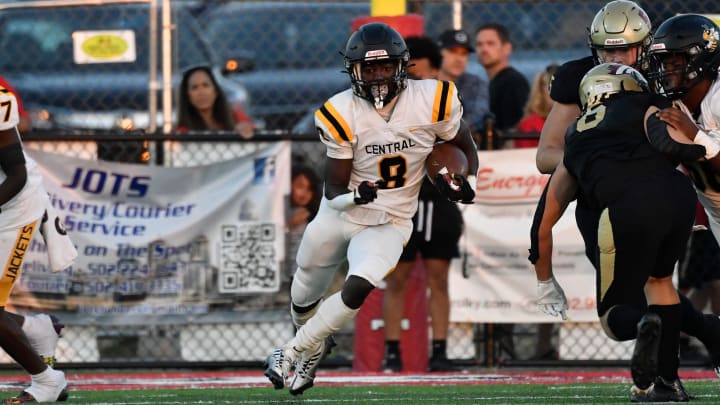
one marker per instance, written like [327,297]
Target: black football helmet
[684,51]
[372,43]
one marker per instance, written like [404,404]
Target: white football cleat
[278,365]
[308,364]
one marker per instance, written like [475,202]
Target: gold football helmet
[620,24]
[607,79]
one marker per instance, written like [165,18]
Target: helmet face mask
[376,59]
[668,72]
[684,51]
[621,24]
[607,79]
[377,80]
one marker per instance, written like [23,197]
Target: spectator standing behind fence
[202,105]
[437,226]
[508,88]
[455,49]
[23,200]
[302,207]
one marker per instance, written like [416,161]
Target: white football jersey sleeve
[29,204]
[394,150]
[705,180]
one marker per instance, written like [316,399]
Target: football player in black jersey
[620,33]
[620,156]
[694,323]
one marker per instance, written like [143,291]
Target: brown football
[446,155]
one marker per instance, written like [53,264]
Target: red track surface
[227,379]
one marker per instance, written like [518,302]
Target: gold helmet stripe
[443,103]
[335,123]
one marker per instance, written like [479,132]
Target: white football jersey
[393,150]
[705,180]
[29,204]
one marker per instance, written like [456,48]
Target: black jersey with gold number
[607,150]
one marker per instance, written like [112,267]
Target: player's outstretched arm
[560,192]
[552,138]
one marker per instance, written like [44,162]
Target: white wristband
[712,148]
[343,202]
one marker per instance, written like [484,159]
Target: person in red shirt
[537,108]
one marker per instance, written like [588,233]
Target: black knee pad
[355,290]
[304,310]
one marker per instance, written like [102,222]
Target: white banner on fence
[500,283]
[162,240]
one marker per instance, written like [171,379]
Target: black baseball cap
[453,38]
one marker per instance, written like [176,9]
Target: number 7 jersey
[394,150]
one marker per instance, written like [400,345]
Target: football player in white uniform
[685,57]
[378,135]
[22,203]
[684,63]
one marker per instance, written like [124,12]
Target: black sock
[439,348]
[622,321]
[668,355]
[693,321]
[392,348]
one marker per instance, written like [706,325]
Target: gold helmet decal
[711,38]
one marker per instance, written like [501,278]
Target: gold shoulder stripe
[335,123]
[3,90]
[443,103]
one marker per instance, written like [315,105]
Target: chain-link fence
[279,61]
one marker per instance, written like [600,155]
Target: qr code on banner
[248,261]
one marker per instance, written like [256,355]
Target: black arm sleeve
[663,142]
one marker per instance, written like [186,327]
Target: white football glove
[551,298]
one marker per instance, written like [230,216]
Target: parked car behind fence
[48,50]
[287,53]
